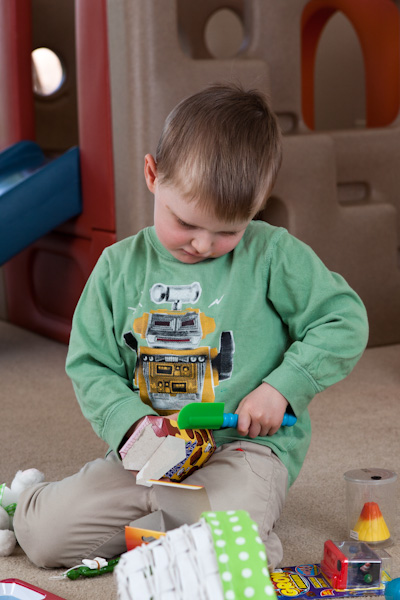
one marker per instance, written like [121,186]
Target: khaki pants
[84,516]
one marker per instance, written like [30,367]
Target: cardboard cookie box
[159,449]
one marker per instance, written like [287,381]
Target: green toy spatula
[210,415]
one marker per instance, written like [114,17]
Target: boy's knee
[37,531]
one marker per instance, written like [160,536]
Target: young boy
[238,311]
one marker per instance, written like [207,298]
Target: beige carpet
[356,424]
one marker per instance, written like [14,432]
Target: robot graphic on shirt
[173,370]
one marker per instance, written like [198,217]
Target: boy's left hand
[173,417]
[261,412]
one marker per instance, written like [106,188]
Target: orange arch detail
[377,25]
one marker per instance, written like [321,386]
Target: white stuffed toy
[8,503]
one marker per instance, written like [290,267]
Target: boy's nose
[202,244]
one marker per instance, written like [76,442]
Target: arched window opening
[380,54]
[339,92]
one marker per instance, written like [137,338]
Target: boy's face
[184,229]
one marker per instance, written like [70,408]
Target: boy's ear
[150,172]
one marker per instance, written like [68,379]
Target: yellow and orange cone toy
[371,526]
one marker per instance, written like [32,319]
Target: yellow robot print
[173,369]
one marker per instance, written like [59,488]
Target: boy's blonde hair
[221,148]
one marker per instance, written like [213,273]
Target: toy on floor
[371,505]
[350,565]
[347,569]
[89,568]
[219,557]
[392,591]
[8,503]
[16,589]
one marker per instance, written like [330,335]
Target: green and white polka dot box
[221,557]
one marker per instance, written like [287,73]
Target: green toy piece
[85,571]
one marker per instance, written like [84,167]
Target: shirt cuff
[293,382]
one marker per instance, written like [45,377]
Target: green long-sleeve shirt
[151,334]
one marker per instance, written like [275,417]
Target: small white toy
[8,503]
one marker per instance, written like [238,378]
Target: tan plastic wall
[149,74]
[337,191]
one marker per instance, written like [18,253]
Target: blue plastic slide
[36,195]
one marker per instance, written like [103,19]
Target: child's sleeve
[326,320]
[96,366]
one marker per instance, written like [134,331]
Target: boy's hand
[130,431]
[173,417]
[261,412]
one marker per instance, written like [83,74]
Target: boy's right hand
[261,412]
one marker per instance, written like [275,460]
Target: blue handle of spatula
[288,420]
[231,420]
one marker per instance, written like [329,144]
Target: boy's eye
[183,224]
[229,233]
[223,233]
